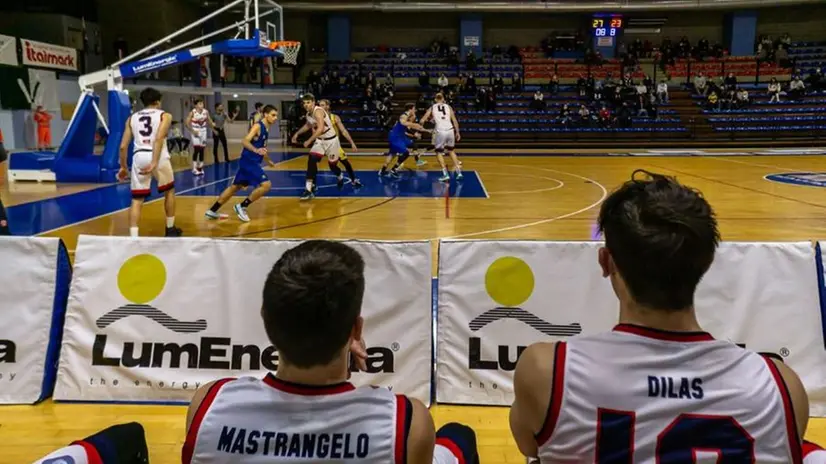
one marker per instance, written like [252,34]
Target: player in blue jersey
[250,172]
[401,139]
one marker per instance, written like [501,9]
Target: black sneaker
[173,232]
[340,183]
[356,183]
[307,195]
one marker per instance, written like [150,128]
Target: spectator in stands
[797,88]
[713,101]
[649,84]
[481,99]
[701,84]
[538,103]
[662,91]
[816,81]
[627,81]
[774,91]
[490,104]
[651,107]
[424,80]
[498,85]
[371,80]
[584,116]
[598,95]
[781,56]
[582,86]
[516,82]
[513,53]
[471,84]
[565,115]
[684,47]
[496,52]
[730,83]
[553,85]
[605,117]
[742,98]
[703,48]
[442,82]
[470,60]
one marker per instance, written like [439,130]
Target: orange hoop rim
[283,43]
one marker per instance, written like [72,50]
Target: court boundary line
[543,221]
[481,184]
[177,194]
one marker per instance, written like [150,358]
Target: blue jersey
[398,132]
[260,141]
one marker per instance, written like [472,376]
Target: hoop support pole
[257,25]
[179,32]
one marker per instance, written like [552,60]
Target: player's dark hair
[269,108]
[308,97]
[409,106]
[662,237]
[150,96]
[199,100]
[312,297]
[258,105]
[217,105]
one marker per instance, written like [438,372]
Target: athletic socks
[133,232]
[170,222]
[215,207]
[308,186]
[349,168]
[246,203]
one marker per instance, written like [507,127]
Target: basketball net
[288,48]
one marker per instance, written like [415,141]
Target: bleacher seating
[808,56]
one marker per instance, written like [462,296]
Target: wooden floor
[536,197]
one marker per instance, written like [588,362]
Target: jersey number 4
[443,111]
[678,443]
[146,130]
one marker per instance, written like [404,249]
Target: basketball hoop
[288,48]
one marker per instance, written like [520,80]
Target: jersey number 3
[146,130]
[678,443]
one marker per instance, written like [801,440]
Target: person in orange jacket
[44,128]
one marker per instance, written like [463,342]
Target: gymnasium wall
[505,29]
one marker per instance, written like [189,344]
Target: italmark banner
[45,55]
[497,297]
[153,319]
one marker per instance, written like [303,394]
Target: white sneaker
[241,212]
[213,215]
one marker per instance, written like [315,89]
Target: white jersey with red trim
[813,454]
[638,395]
[252,421]
[442,113]
[199,119]
[329,131]
[145,125]
[79,453]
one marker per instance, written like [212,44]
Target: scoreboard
[607,26]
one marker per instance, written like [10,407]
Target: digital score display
[607,27]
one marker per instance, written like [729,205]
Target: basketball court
[773,196]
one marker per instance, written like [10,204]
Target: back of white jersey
[638,395]
[252,421]
[145,125]
[329,132]
[441,113]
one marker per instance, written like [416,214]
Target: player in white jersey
[197,123]
[322,142]
[445,135]
[118,444]
[657,388]
[307,411]
[149,127]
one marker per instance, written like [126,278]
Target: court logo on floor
[810,179]
[141,279]
[509,282]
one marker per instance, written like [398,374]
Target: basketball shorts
[342,155]
[330,148]
[199,137]
[444,140]
[250,174]
[400,146]
[142,183]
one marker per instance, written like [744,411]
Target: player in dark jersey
[250,172]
